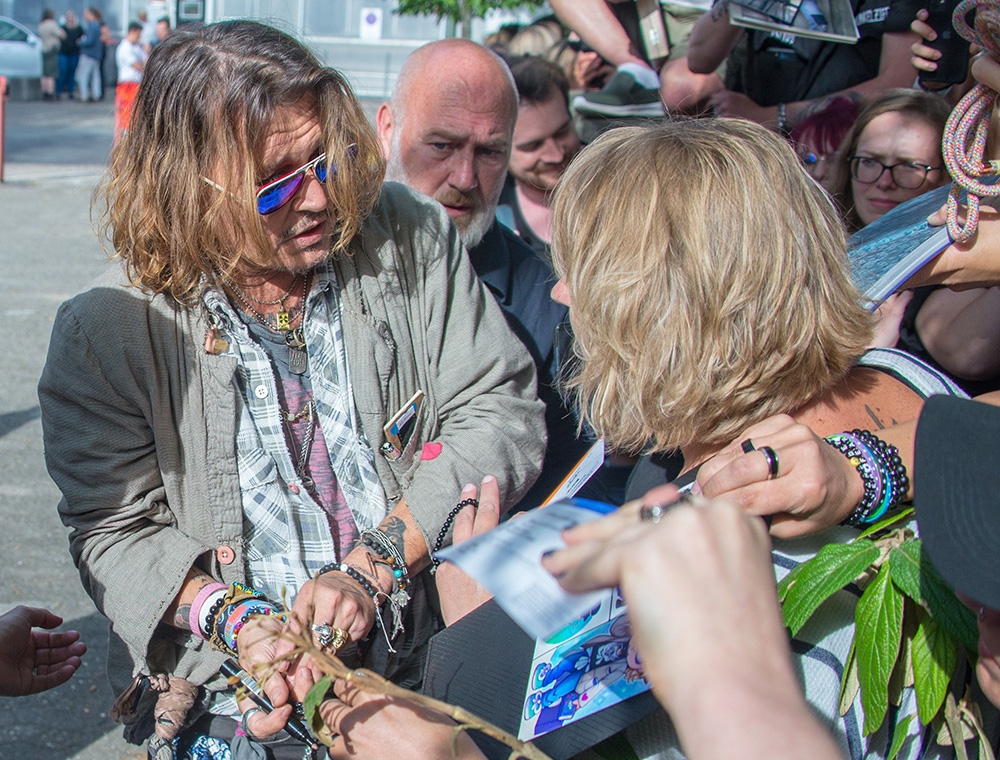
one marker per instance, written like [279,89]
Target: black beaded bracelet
[353,573]
[447,524]
[892,464]
[865,463]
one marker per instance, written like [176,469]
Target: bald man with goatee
[447,132]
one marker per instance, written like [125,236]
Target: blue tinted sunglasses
[277,193]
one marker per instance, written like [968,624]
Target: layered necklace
[295,340]
[298,358]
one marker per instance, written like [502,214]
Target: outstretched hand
[32,660]
[459,593]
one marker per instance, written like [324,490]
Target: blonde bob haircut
[709,283]
[203,111]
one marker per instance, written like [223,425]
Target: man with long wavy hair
[282,396]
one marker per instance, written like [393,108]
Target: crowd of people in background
[596,243]
[83,61]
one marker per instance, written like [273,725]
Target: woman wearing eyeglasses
[890,155]
[893,154]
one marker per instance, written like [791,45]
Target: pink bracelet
[194,619]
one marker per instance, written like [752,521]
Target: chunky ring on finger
[772,461]
[747,446]
[245,721]
[324,634]
[338,639]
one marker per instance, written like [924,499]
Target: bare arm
[598,27]
[894,71]
[961,330]
[712,39]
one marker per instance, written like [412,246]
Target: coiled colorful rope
[968,126]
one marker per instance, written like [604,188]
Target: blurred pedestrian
[88,69]
[162,29]
[52,36]
[69,56]
[131,59]
[109,66]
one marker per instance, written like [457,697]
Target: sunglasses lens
[320,170]
[274,196]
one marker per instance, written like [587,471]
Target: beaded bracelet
[447,524]
[208,599]
[236,593]
[858,455]
[889,455]
[882,473]
[236,616]
[379,544]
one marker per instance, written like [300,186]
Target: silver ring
[245,722]
[324,634]
[772,461]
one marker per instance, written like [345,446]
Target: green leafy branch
[910,630]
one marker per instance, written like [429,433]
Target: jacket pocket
[265,509]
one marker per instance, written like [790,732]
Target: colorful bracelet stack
[239,604]
[882,473]
[447,524]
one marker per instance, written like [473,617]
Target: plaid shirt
[287,535]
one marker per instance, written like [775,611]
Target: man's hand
[816,488]
[32,661]
[735,105]
[258,644]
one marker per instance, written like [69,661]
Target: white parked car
[20,50]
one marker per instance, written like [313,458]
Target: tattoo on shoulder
[875,418]
[394,528]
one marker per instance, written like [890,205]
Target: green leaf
[878,626]
[849,683]
[313,700]
[903,669]
[899,736]
[904,561]
[786,583]
[934,657]
[941,602]
[819,578]
[886,523]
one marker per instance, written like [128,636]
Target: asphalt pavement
[55,155]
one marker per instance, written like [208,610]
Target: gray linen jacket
[139,420]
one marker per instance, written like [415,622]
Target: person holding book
[891,155]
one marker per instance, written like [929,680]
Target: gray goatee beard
[472,227]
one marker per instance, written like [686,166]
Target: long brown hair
[204,109]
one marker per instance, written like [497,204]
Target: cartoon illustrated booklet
[583,659]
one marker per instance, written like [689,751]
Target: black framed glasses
[906,174]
